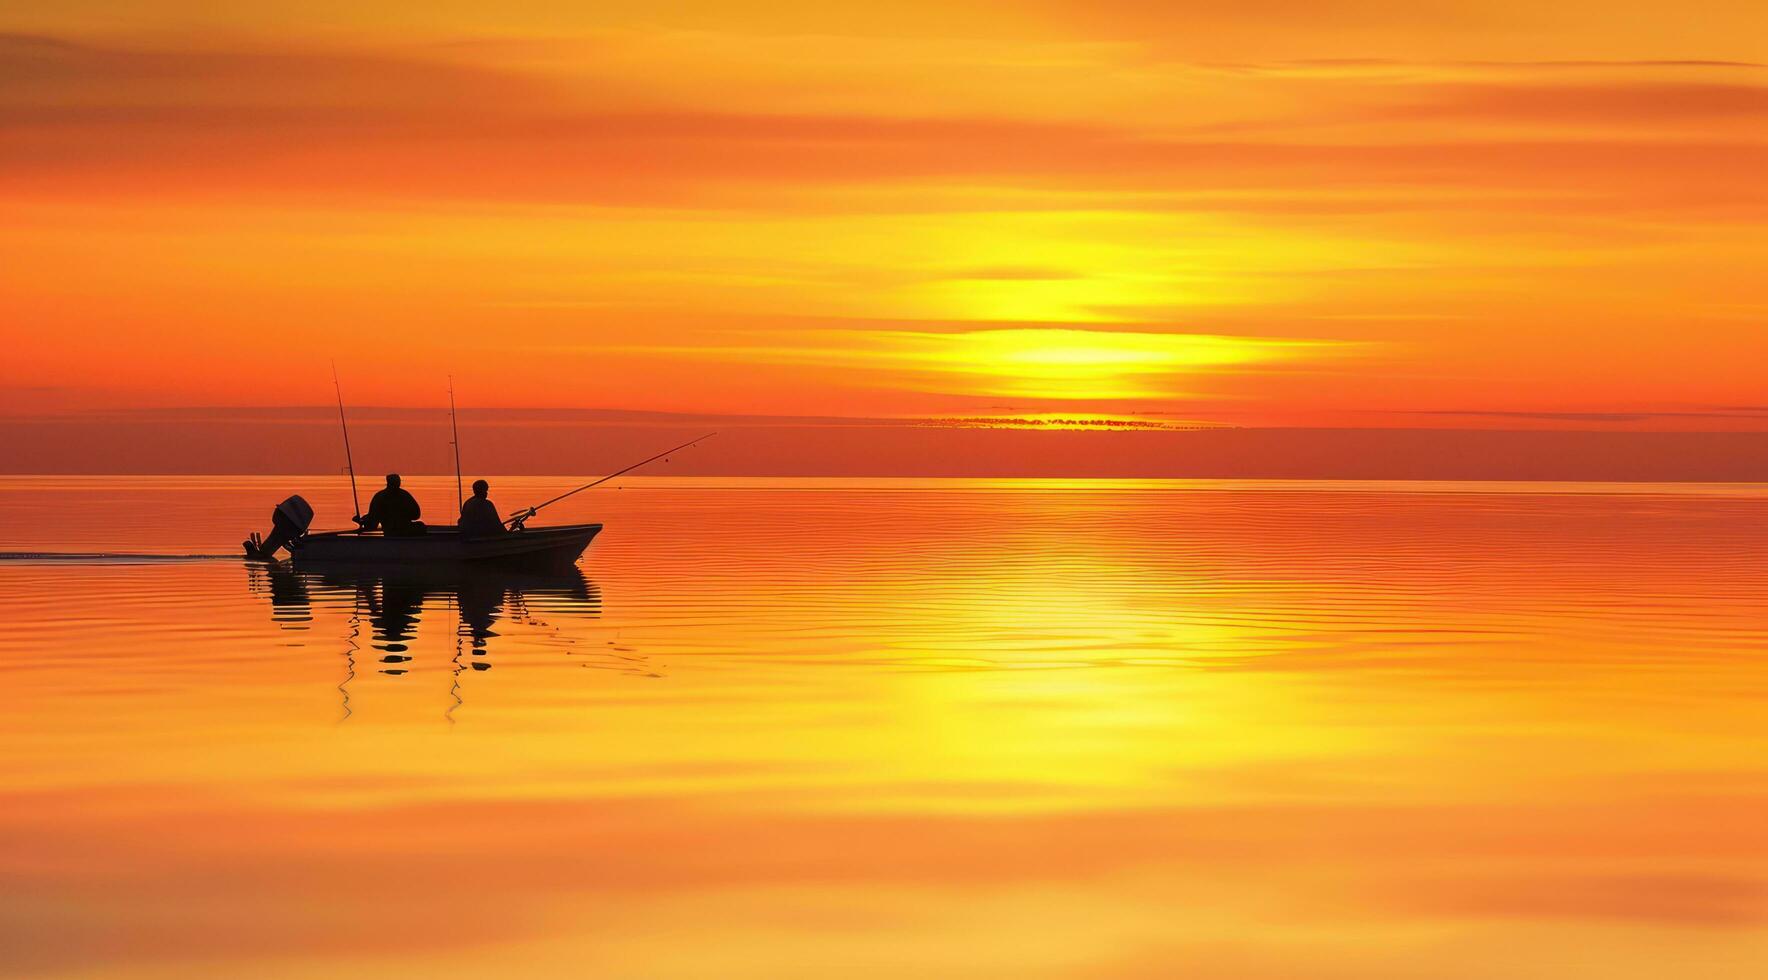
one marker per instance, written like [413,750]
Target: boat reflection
[393,599]
[388,604]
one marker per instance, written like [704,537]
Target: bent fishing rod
[516,522]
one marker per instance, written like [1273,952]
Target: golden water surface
[782,729]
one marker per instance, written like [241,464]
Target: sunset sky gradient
[1338,216]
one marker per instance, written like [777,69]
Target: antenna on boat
[515,523]
[460,496]
[349,460]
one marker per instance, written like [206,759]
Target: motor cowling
[288,522]
[295,513]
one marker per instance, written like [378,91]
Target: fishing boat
[520,546]
[516,545]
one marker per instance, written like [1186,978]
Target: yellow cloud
[1084,364]
[1042,362]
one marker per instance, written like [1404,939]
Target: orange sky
[1268,213]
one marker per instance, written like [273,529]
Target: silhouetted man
[479,515]
[393,510]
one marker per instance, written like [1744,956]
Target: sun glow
[1056,363]
[1063,363]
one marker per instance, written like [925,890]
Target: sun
[1067,363]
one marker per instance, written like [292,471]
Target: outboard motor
[289,521]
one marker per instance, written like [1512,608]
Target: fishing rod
[515,523]
[460,496]
[349,460]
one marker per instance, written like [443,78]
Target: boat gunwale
[445,545]
[446,532]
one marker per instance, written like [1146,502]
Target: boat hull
[535,547]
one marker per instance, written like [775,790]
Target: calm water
[870,728]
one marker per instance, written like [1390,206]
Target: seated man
[394,511]
[479,515]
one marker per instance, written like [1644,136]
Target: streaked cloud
[1039,363]
[910,212]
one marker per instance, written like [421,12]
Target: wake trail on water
[105,558]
